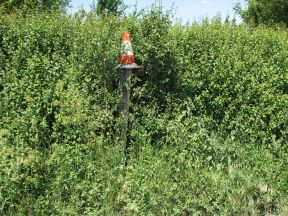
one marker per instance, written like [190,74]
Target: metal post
[125,84]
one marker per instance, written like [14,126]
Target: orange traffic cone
[127,55]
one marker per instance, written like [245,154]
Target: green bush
[208,118]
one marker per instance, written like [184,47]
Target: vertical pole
[125,84]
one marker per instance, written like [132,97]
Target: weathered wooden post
[127,65]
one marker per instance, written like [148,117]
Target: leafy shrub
[208,121]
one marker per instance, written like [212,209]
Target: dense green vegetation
[259,12]
[208,124]
[108,6]
[28,6]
